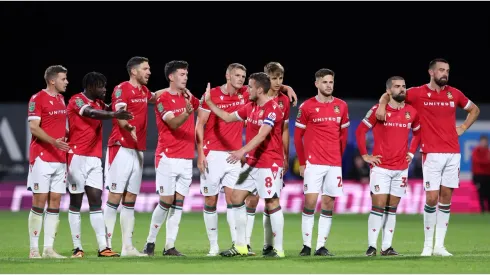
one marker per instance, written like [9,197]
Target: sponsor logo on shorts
[376,188]
[113,187]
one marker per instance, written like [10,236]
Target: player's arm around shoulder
[224,115]
[164,108]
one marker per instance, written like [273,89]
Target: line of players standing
[70,157]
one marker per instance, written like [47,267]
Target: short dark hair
[233,66]
[389,82]
[174,65]
[94,80]
[262,80]
[433,62]
[273,68]
[53,71]
[324,72]
[135,61]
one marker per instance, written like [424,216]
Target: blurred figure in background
[481,172]
[360,171]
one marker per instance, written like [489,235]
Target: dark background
[363,42]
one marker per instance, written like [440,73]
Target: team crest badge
[305,187]
[118,93]
[160,107]
[36,186]
[161,189]
[79,102]
[113,187]
[73,187]
[407,115]
[336,109]
[261,113]
[32,106]
[449,95]
[240,96]
[281,104]
[427,185]
[205,190]
[376,188]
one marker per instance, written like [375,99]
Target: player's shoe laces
[213,251]
[441,251]
[268,249]
[50,253]
[235,251]
[34,254]
[149,249]
[427,251]
[77,253]
[250,251]
[389,252]
[371,251]
[172,252]
[306,251]
[322,251]
[107,252]
[131,252]
[275,254]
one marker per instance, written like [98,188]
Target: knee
[114,198]
[54,200]
[252,201]
[272,203]
[76,200]
[211,201]
[431,199]
[328,203]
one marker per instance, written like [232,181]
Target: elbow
[173,126]
[476,111]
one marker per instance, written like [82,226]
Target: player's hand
[61,144]
[285,167]
[460,130]
[132,130]
[409,158]
[302,170]
[381,113]
[235,156]
[123,114]
[373,160]
[188,107]
[202,164]
[292,95]
[207,94]
[187,93]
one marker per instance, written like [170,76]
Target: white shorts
[125,171]
[84,171]
[173,175]
[45,177]
[386,181]
[266,182]
[323,179]
[219,174]
[440,169]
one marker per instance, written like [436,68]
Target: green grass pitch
[468,239]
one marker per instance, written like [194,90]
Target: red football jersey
[437,113]
[51,110]
[283,101]
[323,123]
[178,143]
[270,151]
[85,136]
[136,101]
[219,135]
[391,135]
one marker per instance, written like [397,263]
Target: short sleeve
[345,122]
[462,100]
[411,96]
[370,118]
[273,115]
[119,97]
[301,117]
[35,108]
[79,104]
[163,107]
[243,112]
[195,102]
